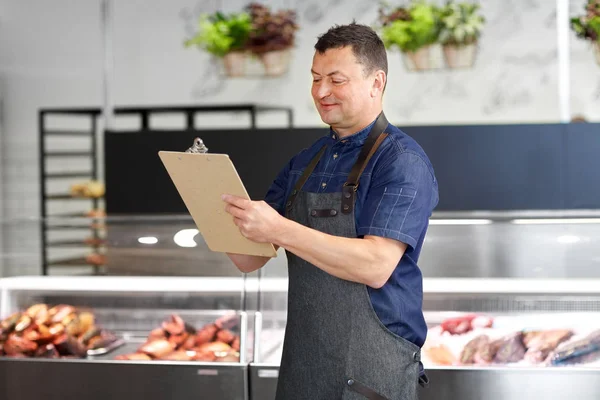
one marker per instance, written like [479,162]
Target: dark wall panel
[137,182]
[582,166]
[487,167]
[495,167]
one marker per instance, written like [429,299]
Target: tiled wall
[51,56]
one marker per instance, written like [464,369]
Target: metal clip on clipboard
[197,147]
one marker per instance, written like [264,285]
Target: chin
[329,118]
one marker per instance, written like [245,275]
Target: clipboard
[201,179]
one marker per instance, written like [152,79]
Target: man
[351,211]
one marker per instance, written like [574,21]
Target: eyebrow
[329,74]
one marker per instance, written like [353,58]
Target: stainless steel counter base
[513,384]
[263,381]
[24,379]
[472,384]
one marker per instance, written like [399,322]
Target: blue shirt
[396,195]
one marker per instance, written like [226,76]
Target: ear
[379,82]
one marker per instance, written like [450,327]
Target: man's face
[340,89]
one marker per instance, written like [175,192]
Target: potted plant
[272,36]
[414,31]
[587,26]
[224,37]
[460,31]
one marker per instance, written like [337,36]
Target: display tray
[110,347]
[130,346]
[526,340]
[140,335]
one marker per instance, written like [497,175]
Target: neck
[364,121]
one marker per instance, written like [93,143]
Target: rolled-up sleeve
[400,200]
[276,195]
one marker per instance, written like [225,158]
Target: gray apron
[335,346]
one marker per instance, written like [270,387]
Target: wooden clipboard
[201,179]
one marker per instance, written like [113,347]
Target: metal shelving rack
[144,113]
[91,174]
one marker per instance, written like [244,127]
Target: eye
[337,82]
[315,80]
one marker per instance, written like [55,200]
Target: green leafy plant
[588,26]
[271,31]
[410,28]
[220,34]
[461,23]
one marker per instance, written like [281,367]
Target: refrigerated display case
[536,338]
[269,330]
[159,322]
[525,273]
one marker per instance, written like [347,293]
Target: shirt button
[335,156]
[323,184]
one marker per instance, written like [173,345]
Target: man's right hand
[247,263]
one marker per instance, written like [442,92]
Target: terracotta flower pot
[426,58]
[460,56]
[235,63]
[276,62]
[597,52]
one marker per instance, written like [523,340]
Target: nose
[322,90]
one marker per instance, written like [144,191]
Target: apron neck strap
[304,177]
[375,138]
[372,142]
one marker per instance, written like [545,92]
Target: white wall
[51,56]
[514,80]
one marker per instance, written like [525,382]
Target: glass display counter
[124,337]
[512,302]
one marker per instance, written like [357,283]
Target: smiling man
[352,212]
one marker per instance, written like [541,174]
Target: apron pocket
[362,389]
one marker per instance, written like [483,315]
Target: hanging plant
[272,36]
[225,37]
[461,27]
[587,26]
[413,30]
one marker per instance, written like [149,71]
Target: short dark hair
[367,46]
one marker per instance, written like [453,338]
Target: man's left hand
[257,220]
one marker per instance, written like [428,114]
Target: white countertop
[236,284]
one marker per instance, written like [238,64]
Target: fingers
[239,220]
[242,226]
[236,201]
[235,211]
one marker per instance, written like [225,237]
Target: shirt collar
[357,137]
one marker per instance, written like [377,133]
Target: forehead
[341,59]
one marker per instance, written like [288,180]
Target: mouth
[326,107]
